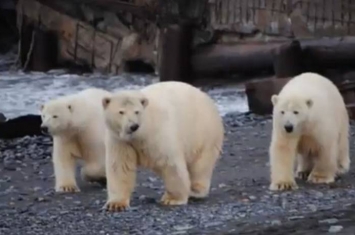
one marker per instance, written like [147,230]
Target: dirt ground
[239,202]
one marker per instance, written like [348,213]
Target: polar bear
[171,128]
[310,125]
[76,123]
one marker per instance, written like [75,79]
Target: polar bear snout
[134,128]
[288,127]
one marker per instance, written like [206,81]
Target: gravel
[239,202]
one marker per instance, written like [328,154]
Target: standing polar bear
[77,125]
[310,122]
[171,128]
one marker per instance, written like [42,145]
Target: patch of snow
[23,93]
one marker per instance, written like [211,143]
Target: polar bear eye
[295,112]
[55,116]
[137,112]
[121,112]
[282,112]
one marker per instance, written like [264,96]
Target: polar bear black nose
[288,128]
[44,129]
[134,127]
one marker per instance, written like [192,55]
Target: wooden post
[288,60]
[175,57]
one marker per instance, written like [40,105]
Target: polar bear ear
[274,99]
[144,102]
[309,103]
[105,102]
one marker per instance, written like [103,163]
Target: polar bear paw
[303,175]
[67,189]
[199,190]
[283,185]
[317,178]
[343,168]
[169,200]
[116,206]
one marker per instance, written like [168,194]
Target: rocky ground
[239,203]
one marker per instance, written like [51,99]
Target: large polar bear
[77,125]
[310,122]
[171,128]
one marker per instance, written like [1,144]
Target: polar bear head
[291,113]
[124,112]
[58,117]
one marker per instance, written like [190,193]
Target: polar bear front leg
[282,157]
[121,166]
[64,166]
[177,182]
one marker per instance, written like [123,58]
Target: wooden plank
[81,43]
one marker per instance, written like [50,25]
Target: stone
[183,227]
[335,229]
[329,221]
[27,125]
[276,222]
[2,118]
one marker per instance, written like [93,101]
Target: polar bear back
[87,108]
[91,97]
[187,112]
[90,100]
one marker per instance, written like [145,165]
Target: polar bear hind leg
[93,172]
[325,165]
[177,183]
[343,156]
[304,165]
[201,171]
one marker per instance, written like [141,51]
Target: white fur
[320,135]
[180,138]
[77,125]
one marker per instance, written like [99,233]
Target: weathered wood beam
[113,6]
[176,53]
[286,59]
[329,52]
[220,59]
[79,42]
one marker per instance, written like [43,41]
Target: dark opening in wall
[138,66]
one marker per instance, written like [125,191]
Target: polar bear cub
[310,122]
[171,128]
[76,123]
